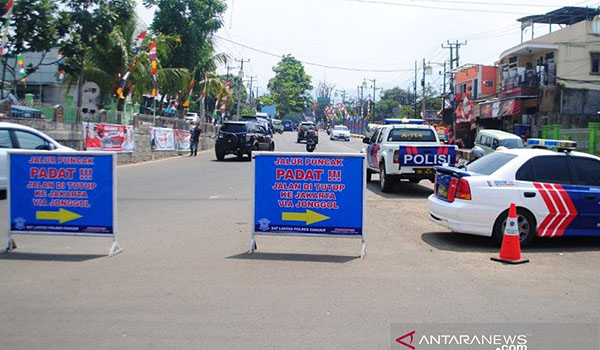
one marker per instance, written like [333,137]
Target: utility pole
[239,85]
[444,88]
[358,99]
[250,81]
[228,69]
[453,46]
[415,91]
[374,81]
[423,85]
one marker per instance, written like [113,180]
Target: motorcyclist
[311,139]
[311,134]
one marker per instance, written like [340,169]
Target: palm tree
[106,65]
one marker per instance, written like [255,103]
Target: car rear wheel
[386,182]
[369,175]
[272,147]
[525,222]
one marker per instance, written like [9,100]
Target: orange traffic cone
[510,251]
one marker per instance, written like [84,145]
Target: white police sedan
[16,136]
[557,193]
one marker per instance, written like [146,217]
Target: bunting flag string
[9,10]
[153,61]
[138,45]
[61,72]
[464,112]
[224,100]
[21,64]
[203,94]
[188,99]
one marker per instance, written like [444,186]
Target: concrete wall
[71,135]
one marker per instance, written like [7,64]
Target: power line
[316,64]
[435,7]
[485,3]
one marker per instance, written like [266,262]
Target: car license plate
[425,171]
[442,191]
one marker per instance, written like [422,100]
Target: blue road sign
[309,194]
[62,193]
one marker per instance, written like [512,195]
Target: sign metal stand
[42,217]
[272,226]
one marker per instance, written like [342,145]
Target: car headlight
[220,136]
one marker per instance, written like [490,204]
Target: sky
[375,35]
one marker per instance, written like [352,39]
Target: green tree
[391,102]
[432,98]
[290,88]
[91,25]
[406,112]
[35,25]
[194,21]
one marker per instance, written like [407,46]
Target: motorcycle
[310,145]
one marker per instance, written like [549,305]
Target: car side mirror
[366,140]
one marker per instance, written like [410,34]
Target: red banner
[109,137]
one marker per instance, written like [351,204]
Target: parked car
[192,117]
[556,194]
[303,130]
[487,141]
[277,125]
[288,125]
[242,138]
[16,136]
[259,120]
[340,132]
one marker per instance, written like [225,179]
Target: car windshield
[489,164]
[233,128]
[411,135]
[511,143]
[340,128]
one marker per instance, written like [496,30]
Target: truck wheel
[386,182]
[369,174]
[525,222]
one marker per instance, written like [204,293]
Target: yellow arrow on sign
[62,215]
[310,217]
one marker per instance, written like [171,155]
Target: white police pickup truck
[405,151]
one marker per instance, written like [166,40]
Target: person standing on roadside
[195,139]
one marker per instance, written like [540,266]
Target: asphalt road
[184,280]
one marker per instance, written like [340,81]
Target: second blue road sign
[302,194]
